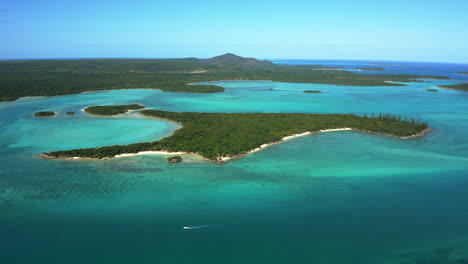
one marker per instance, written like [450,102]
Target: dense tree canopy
[460,86]
[112,109]
[58,77]
[44,114]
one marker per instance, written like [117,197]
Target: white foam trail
[200,226]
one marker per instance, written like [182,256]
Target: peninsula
[221,136]
[460,86]
[60,77]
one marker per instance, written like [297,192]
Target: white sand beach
[150,153]
[224,159]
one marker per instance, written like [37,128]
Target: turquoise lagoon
[340,197]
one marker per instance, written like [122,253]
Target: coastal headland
[459,86]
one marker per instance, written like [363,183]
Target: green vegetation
[70,113]
[44,114]
[312,91]
[370,69]
[432,90]
[174,159]
[58,77]
[109,110]
[460,86]
[397,118]
[213,135]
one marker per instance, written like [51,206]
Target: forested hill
[230,59]
[58,77]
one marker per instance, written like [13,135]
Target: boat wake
[200,226]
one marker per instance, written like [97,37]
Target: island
[460,86]
[219,137]
[432,90]
[70,113]
[60,77]
[44,114]
[174,159]
[384,64]
[312,91]
[110,110]
[462,73]
[369,69]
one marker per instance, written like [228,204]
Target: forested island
[312,91]
[218,135]
[109,110]
[460,86]
[462,73]
[44,114]
[59,77]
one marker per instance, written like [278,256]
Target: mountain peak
[230,58]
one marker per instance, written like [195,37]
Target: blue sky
[331,29]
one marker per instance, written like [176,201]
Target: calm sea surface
[340,197]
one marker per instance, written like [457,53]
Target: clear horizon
[271,59]
[416,31]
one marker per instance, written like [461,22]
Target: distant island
[432,90]
[462,73]
[369,69]
[219,137]
[44,114]
[70,113]
[60,77]
[384,64]
[109,110]
[312,91]
[460,86]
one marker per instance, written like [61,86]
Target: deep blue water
[391,67]
[341,197]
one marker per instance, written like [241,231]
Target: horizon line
[274,59]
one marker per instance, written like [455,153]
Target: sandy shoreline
[224,159]
[30,97]
[150,153]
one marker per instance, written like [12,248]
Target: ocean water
[391,67]
[338,197]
